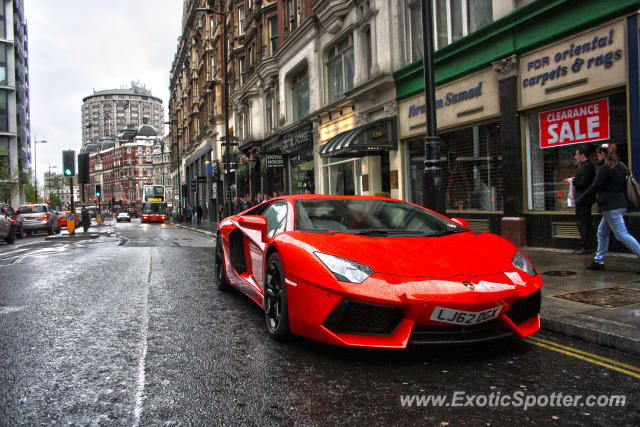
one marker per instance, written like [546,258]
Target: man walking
[583,179]
[199,214]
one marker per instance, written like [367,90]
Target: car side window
[276,216]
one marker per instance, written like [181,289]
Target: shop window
[3,65]
[300,95]
[302,173]
[473,165]
[547,168]
[342,176]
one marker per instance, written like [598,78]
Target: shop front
[468,119]
[573,93]
[355,160]
[297,147]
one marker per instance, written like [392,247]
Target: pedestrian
[199,214]
[191,214]
[258,199]
[610,184]
[86,219]
[583,180]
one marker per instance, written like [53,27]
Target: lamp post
[435,185]
[227,159]
[35,165]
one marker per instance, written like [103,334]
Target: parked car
[16,221]
[7,231]
[375,272]
[123,216]
[39,217]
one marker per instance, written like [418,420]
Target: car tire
[276,308]
[59,229]
[28,233]
[11,237]
[50,230]
[20,235]
[219,271]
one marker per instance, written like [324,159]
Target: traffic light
[98,190]
[69,163]
[83,168]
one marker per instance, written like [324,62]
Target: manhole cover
[559,273]
[606,297]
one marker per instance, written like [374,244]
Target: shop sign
[464,101]
[202,180]
[590,61]
[576,124]
[298,140]
[334,127]
[275,161]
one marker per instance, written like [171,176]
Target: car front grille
[488,331]
[356,317]
[526,308]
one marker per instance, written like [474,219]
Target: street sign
[71,222]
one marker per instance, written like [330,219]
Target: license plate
[459,317]
[30,218]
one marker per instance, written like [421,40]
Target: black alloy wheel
[276,309]
[218,267]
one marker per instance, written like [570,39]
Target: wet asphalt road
[127,329]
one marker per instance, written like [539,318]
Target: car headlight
[522,263]
[345,270]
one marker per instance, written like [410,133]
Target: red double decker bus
[154,207]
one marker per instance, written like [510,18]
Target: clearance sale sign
[576,124]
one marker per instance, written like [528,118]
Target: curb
[197,230]
[596,331]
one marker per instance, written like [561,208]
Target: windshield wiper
[384,232]
[446,232]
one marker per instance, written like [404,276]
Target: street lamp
[435,185]
[35,165]
[227,144]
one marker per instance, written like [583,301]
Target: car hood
[469,253]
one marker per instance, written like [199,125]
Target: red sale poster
[575,124]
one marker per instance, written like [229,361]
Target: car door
[5,222]
[276,216]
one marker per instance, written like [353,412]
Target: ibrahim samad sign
[577,124]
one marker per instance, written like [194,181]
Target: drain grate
[559,273]
[606,297]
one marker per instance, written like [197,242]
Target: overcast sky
[76,46]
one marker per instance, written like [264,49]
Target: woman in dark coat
[610,186]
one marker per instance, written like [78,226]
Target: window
[452,20]
[3,64]
[3,23]
[273,34]
[474,164]
[269,111]
[276,216]
[4,113]
[340,68]
[243,70]
[368,52]
[548,167]
[241,20]
[293,7]
[300,95]
[342,176]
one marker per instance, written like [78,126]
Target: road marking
[144,329]
[624,368]
[12,252]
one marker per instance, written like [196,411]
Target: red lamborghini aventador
[375,272]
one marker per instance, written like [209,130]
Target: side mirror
[461,221]
[255,222]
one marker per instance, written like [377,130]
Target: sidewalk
[602,307]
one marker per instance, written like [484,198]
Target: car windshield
[370,217]
[153,208]
[31,209]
